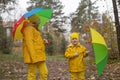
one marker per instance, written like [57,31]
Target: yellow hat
[74,35]
[34,18]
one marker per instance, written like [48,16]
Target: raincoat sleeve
[28,39]
[84,52]
[69,53]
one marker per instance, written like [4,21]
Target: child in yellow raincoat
[75,52]
[34,49]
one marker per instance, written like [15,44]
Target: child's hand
[87,52]
[76,54]
[46,41]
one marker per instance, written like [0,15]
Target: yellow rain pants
[77,75]
[42,69]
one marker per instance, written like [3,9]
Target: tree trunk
[117,23]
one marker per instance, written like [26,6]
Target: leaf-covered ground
[13,68]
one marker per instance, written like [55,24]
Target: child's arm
[85,53]
[69,53]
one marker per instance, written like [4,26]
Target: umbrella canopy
[100,50]
[43,13]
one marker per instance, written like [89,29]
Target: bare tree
[117,24]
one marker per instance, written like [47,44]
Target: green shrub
[5,42]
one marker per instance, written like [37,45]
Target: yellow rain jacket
[76,64]
[33,45]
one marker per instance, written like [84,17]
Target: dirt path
[58,70]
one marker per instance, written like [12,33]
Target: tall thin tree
[117,24]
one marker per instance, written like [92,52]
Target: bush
[7,46]
[49,47]
[5,42]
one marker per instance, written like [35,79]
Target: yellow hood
[74,35]
[34,18]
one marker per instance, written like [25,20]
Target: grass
[110,61]
[56,57]
[19,56]
[9,57]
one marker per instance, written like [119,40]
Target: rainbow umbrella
[43,13]
[100,50]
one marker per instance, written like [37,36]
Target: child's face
[37,23]
[74,41]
